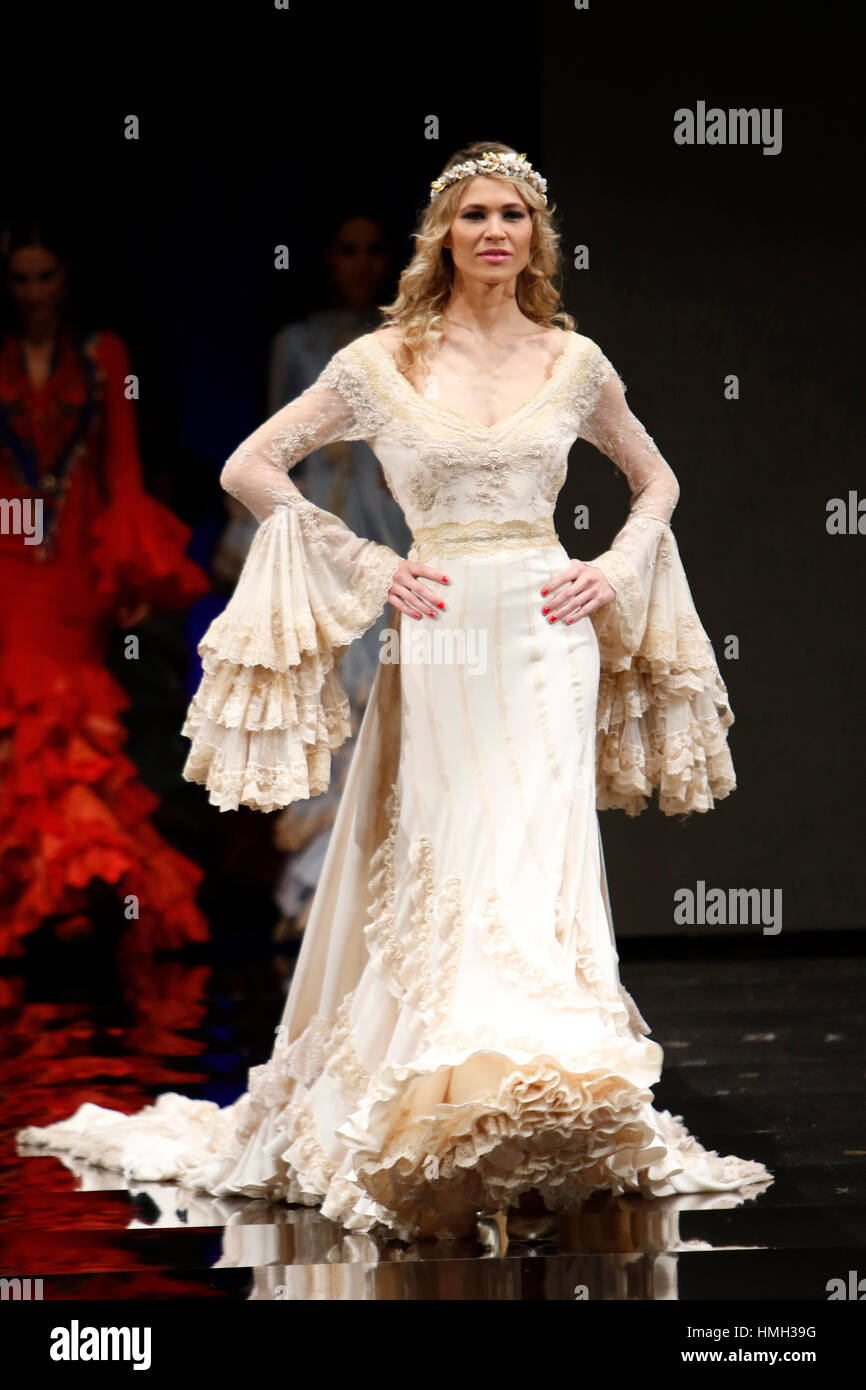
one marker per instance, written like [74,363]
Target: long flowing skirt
[456,1031]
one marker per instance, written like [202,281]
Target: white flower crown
[492,162]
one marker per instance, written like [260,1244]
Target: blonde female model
[456,1034]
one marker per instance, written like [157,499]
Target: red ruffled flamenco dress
[72,810]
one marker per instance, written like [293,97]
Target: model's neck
[484,309]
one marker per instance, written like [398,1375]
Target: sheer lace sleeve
[663,709]
[271,709]
[629,562]
[338,405]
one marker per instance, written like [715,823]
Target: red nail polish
[441,604]
[545,610]
[553,620]
[432,614]
[445,579]
[543,592]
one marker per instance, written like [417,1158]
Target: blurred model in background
[75,821]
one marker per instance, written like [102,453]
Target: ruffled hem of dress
[271,709]
[568,1128]
[72,811]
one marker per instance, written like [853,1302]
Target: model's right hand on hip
[409,596]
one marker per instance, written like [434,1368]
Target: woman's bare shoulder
[389,336]
[557,340]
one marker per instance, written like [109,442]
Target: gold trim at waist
[482,537]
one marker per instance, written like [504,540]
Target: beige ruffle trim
[649,738]
[566,1132]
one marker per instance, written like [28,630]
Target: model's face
[358,260]
[491,217]
[37,283]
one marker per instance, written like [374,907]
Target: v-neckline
[464,420]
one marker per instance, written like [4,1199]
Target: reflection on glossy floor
[764,1060]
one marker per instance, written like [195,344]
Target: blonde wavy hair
[426,283]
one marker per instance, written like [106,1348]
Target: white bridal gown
[456,1031]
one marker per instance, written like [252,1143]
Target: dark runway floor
[765,1055]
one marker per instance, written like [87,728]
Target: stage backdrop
[703,263]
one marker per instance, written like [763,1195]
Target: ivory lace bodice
[440,465]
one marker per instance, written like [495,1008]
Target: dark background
[258,125]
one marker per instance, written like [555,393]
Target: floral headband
[491,162]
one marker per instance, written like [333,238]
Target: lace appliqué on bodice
[441,467]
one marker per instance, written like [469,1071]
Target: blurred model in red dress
[82,548]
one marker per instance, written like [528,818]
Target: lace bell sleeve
[663,709]
[271,709]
